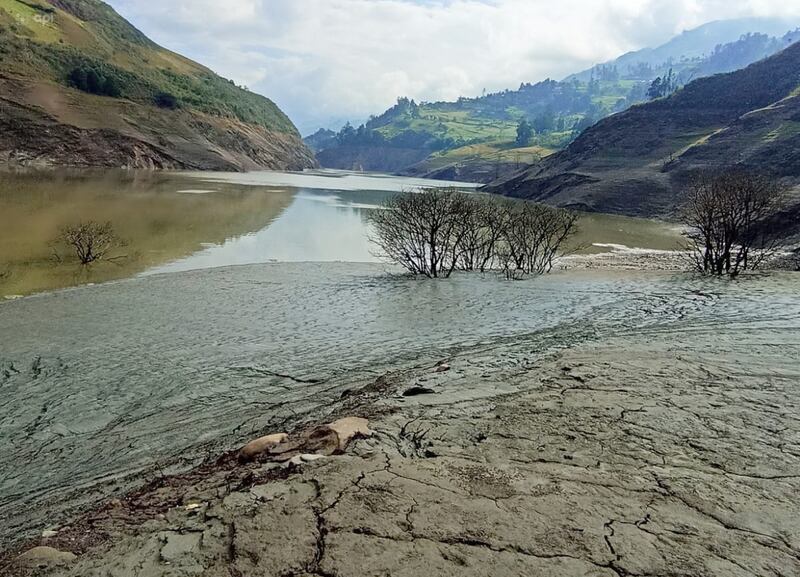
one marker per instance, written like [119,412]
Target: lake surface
[172,222]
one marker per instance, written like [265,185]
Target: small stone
[442,368]
[48,533]
[258,446]
[42,557]
[308,458]
[299,460]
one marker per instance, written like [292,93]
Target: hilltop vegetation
[57,45]
[639,161]
[57,40]
[438,136]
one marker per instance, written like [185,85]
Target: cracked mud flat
[651,429]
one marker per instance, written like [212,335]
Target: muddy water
[183,221]
[105,386]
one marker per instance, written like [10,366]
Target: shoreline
[605,456]
[619,258]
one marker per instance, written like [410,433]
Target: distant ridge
[475,138]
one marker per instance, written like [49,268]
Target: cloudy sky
[325,61]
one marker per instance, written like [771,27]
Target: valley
[551,329]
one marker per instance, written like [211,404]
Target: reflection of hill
[158,223]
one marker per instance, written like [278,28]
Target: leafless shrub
[435,232]
[422,231]
[534,235]
[91,241]
[727,216]
[485,221]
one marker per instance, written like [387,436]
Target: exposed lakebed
[109,385]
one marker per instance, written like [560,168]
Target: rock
[320,440]
[417,390]
[47,534]
[258,446]
[45,557]
[324,440]
[350,428]
[308,458]
[304,458]
[442,368]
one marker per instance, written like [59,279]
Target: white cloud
[333,59]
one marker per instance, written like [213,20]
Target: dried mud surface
[659,435]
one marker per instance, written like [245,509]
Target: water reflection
[183,221]
[318,226]
[158,223]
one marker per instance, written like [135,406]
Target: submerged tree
[484,223]
[422,231]
[533,236]
[435,232]
[91,241]
[727,215]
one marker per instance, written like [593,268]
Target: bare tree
[485,222]
[91,241]
[422,231]
[727,216]
[534,236]
[436,232]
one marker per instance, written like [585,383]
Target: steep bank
[80,86]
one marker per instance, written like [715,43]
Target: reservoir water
[183,221]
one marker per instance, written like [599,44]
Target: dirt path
[659,451]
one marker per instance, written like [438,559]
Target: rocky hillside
[80,86]
[638,161]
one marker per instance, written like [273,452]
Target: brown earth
[638,162]
[45,124]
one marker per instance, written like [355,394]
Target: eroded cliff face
[44,124]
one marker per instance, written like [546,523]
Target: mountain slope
[80,86]
[692,46]
[637,161]
[476,138]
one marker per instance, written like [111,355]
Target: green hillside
[85,44]
[638,162]
[80,86]
[451,135]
